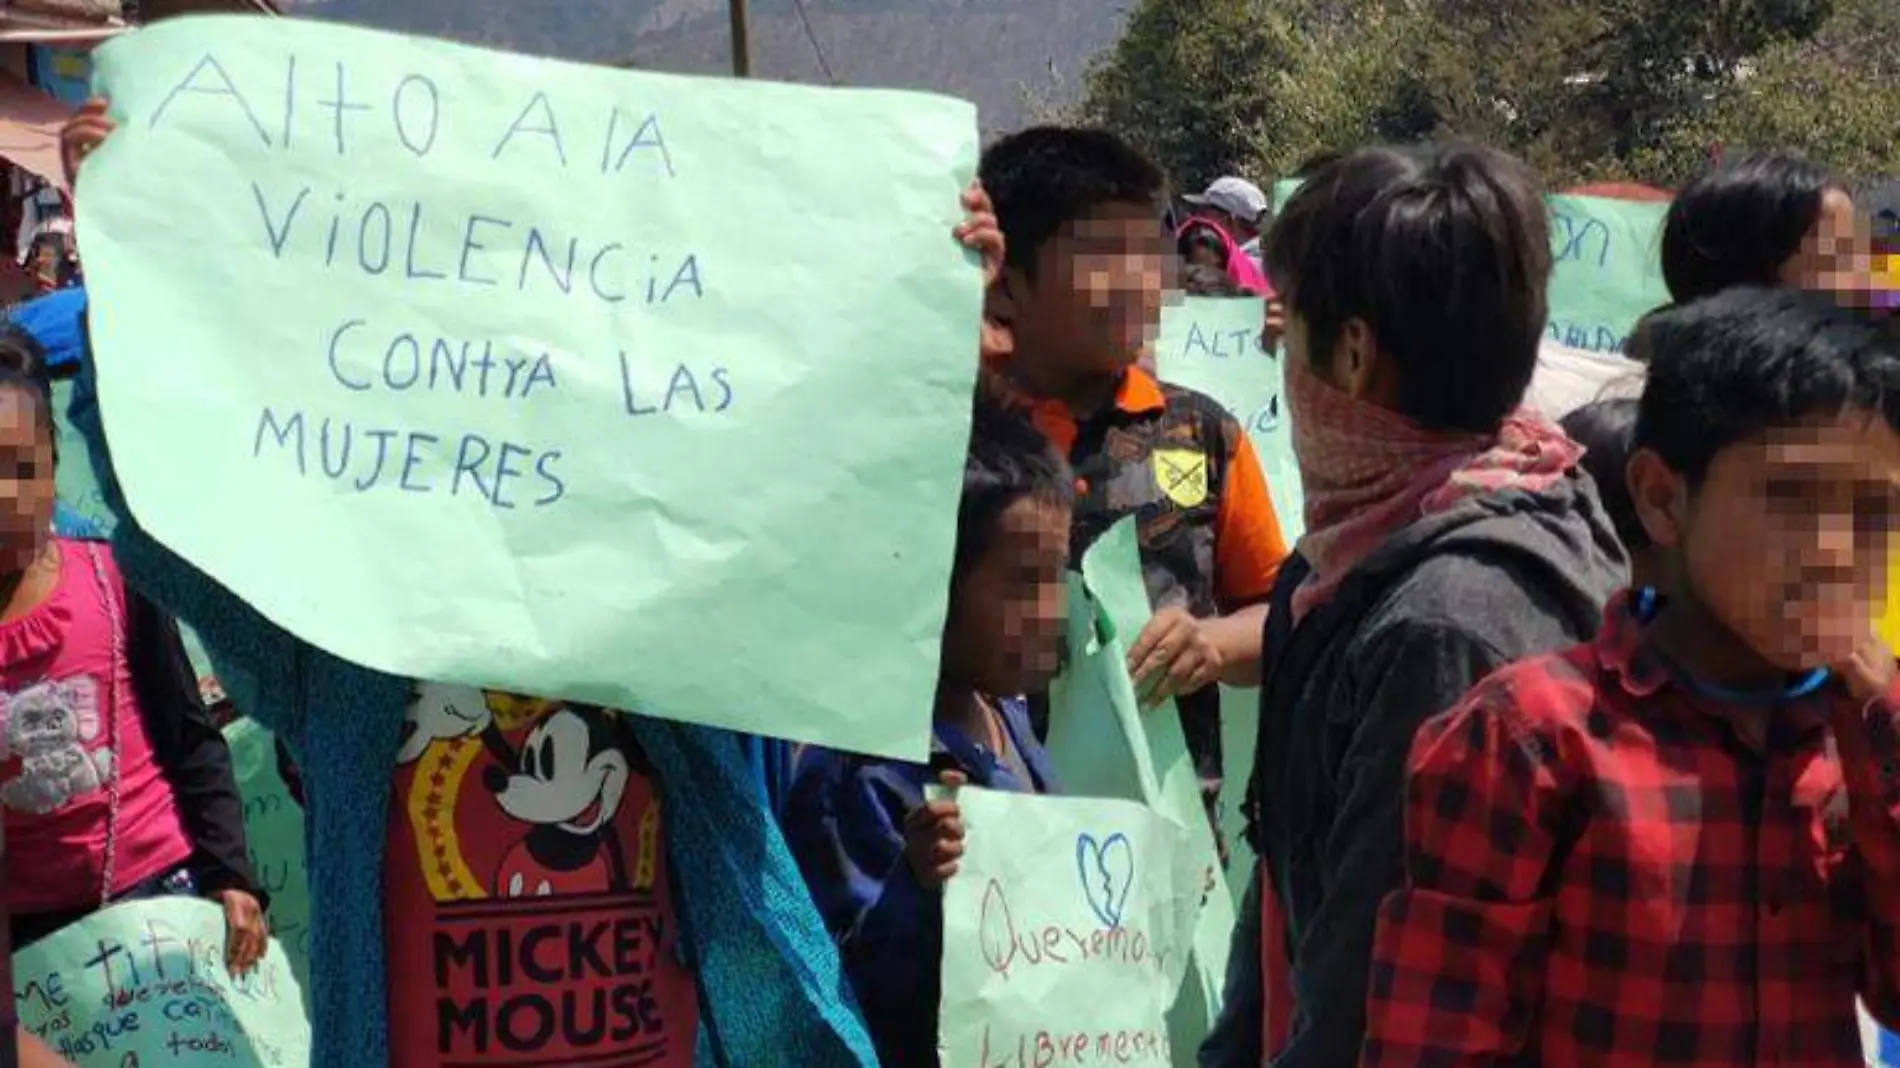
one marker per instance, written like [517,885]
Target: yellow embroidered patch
[1182,475]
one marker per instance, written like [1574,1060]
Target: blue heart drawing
[1107,868]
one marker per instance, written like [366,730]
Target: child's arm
[1458,956]
[933,837]
[196,761]
[1866,729]
[845,821]
[1248,551]
[189,747]
[1178,654]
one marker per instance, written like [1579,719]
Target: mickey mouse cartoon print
[567,787]
[556,785]
[531,921]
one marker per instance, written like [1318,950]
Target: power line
[804,19]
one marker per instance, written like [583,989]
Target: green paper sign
[1103,744]
[273,827]
[1065,932]
[1212,345]
[631,389]
[1608,271]
[143,984]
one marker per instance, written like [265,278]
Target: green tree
[1191,81]
[1834,97]
[1583,89]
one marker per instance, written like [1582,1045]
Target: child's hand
[1868,674]
[933,837]
[1865,737]
[1275,328]
[1173,656]
[85,131]
[979,231]
[246,933]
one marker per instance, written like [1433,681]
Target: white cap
[1236,196]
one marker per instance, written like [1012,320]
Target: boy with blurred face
[1087,264]
[1678,843]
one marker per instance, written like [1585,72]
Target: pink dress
[75,760]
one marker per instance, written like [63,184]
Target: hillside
[983,50]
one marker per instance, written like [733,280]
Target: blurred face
[1200,255]
[1786,541]
[1095,300]
[1006,612]
[1837,254]
[26,480]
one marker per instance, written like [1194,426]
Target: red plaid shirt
[1604,868]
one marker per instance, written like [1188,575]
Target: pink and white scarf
[1369,472]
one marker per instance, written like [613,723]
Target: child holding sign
[1087,269]
[1677,844]
[455,851]
[873,851]
[115,783]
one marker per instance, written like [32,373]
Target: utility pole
[741,40]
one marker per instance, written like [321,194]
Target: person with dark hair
[1765,221]
[874,853]
[1605,429]
[1448,532]
[1082,286]
[1677,844]
[1202,247]
[114,782]
[1224,231]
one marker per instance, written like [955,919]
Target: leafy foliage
[1584,89]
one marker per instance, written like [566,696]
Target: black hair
[1605,429]
[1200,280]
[23,368]
[1443,250]
[1730,367]
[1737,223]
[1009,459]
[1046,177]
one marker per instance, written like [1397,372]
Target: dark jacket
[1442,604]
[190,750]
[844,820]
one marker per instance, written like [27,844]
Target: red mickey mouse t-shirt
[528,915]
